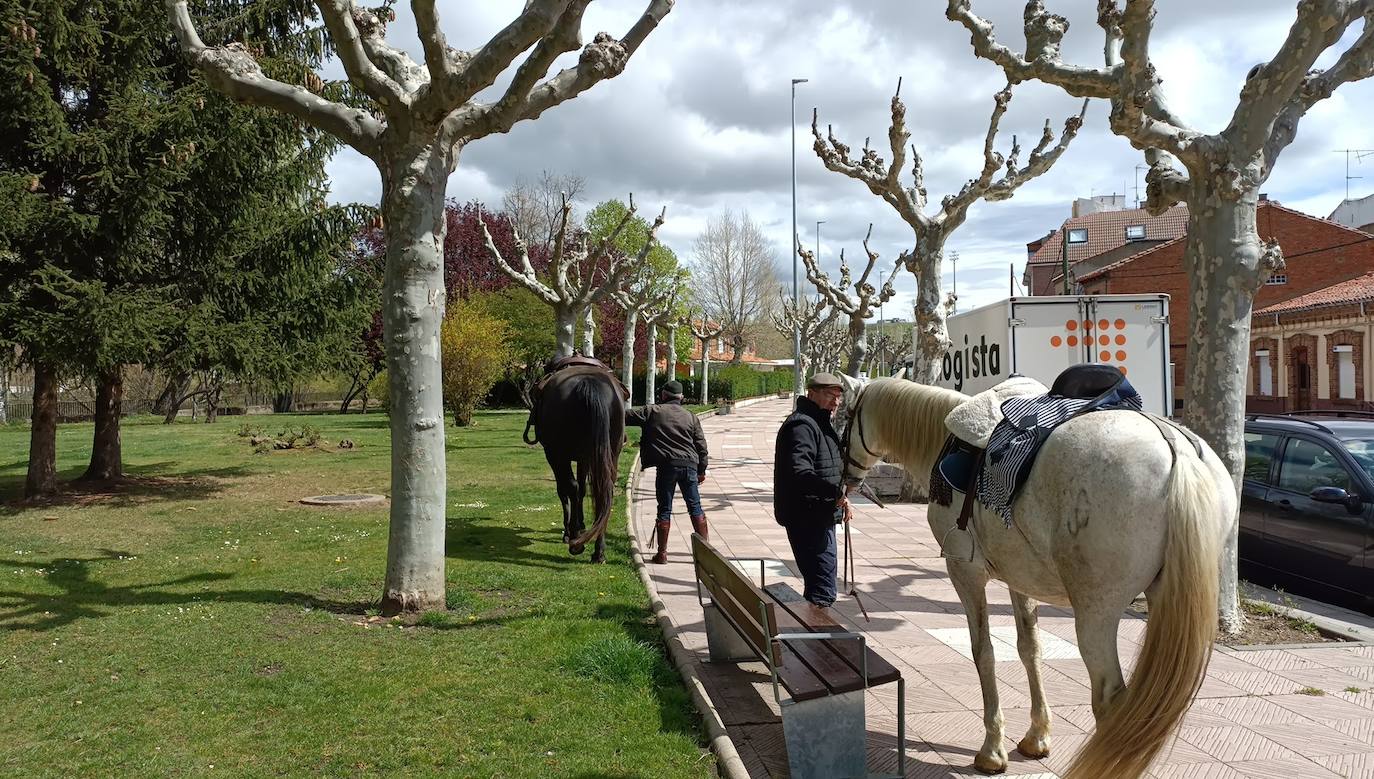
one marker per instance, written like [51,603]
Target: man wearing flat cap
[808,497]
[675,445]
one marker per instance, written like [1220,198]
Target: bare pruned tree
[705,331]
[415,119]
[925,259]
[828,346]
[888,348]
[666,313]
[1222,172]
[646,295]
[575,282]
[808,318]
[858,305]
[535,205]
[735,272]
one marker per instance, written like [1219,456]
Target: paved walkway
[1249,720]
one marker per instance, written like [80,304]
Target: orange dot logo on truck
[1121,355]
[1105,355]
[1073,340]
[1056,341]
[1120,324]
[1121,340]
[1071,325]
[1103,324]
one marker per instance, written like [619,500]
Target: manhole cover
[359,499]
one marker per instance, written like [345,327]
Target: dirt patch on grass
[1265,625]
[125,491]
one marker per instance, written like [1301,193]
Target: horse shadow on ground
[479,539]
[83,597]
[140,486]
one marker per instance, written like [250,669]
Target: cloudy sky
[699,122]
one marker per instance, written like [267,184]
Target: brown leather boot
[662,557]
[699,527]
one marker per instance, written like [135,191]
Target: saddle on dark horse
[558,370]
[990,455]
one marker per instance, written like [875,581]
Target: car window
[1259,453]
[1363,452]
[1307,465]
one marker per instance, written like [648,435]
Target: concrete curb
[728,762]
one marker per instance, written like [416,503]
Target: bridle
[855,422]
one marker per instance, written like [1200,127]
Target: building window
[1266,377]
[1277,278]
[1135,232]
[1345,367]
[1078,236]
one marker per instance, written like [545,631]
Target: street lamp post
[793,241]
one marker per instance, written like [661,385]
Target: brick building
[1096,239]
[1314,351]
[1318,253]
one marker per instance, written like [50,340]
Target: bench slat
[818,620]
[737,596]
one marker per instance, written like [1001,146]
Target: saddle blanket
[1027,422]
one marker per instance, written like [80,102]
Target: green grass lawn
[199,621]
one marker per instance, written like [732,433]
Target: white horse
[1116,504]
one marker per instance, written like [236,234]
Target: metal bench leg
[825,737]
[723,640]
[901,726]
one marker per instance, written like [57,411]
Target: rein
[854,422]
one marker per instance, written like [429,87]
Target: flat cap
[822,380]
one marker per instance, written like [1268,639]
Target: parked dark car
[1307,505]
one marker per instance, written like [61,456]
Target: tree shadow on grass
[675,709]
[85,598]
[139,487]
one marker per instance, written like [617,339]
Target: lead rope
[849,582]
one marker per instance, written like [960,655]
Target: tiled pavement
[1248,721]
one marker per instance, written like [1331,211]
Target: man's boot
[699,526]
[663,529]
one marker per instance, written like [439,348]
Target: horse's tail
[607,419]
[1178,637]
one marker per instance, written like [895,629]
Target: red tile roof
[1125,260]
[1107,231]
[1354,290]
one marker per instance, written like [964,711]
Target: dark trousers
[670,477]
[813,547]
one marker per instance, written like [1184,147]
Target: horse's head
[860,447]
[896,420]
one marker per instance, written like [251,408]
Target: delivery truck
[1041,336]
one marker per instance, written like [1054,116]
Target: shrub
[475,354]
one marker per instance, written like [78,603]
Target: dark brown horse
[580,417]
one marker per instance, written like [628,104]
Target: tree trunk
[1227,265]
[705,371]
[858,349]
[169,401]
[650,365]
[589,332]
[932,336]
[42,476]
[564,329]
[413,309]
[627,351]
[284,402]
[212,400]
[107,461]
[671,359]
[4,396]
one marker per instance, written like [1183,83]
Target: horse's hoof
[576,549]
[1034,747]
[990,764]
[600,559]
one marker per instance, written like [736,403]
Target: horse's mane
[908,422]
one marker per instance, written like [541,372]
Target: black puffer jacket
[672,436]
[807,468]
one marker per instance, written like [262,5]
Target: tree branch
[487,64]
[620,269]
[441,68]
[232,70]
[525,277]
[395,63]
[339,18]
[1044,31]
[1165,185]
[881,179]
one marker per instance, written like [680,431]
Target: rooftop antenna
[1138,168]
[1359,155]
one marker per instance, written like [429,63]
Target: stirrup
[955,550]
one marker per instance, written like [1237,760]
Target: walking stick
[849,583]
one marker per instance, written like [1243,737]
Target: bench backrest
[743,603]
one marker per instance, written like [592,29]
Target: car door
[1322,542]
[1261,455]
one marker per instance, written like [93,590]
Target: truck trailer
[1041,336]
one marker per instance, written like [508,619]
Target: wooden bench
[823,668]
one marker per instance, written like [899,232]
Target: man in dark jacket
[675,445]
[808,498]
